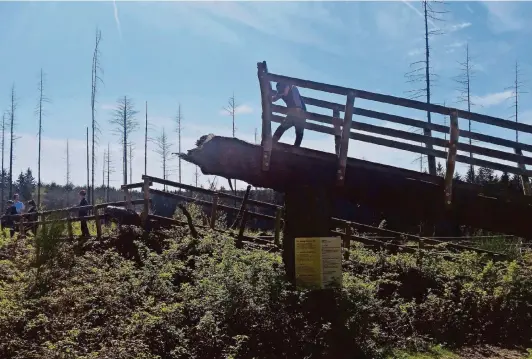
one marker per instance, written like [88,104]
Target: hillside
[167,295]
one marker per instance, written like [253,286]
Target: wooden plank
[346,239]
[209,192]
[415,148]
[419,124]
[146,207]
[133,185]
[265,91]
[344,141]
[337,123]
[524,179]
[409,136]
[451,158]
[69,226]
[242,207]
[206,203]
[399,101]
[98,223]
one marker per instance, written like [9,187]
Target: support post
[344,142]
[451,158]
[308,213]
[98,223]
[242,207]
[21,228]
[213,211]
[128,205]
[347,240]
[241,229]
[42,218]
[337,123]
[524,179]
[277,231]
[266,92]
[146,209]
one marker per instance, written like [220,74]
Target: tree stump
[308,213]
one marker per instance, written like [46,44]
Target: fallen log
[405,194]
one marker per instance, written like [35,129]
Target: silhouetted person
[9,222]
[83,212]
[295,117]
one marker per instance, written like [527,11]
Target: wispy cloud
[457,27]
[415,52]
[239,110]
[117,19]
[492,99]
[417,11]
[504,16]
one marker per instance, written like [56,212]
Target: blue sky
[198,54]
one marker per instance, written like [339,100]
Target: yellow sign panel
[318,262]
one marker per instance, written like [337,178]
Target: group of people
[16,207]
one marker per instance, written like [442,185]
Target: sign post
[318,262]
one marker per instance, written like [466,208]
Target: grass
[434,352]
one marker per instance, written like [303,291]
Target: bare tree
[103,167]
[3,128]
[67,177]
[96,78]
[146,143]
[464,81]
[110,169]
[130,163]
[40,112]
[255,135]
[179,128]
[88,169]
[196,176]
[421,71]
[516,90]
[163,149]
[125,124]
[13,138]
[231,111]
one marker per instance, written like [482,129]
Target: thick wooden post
[344,142]
[308,213]
[242,207]
[98,223]
[451,158]
[347,240]
[146,209]
[266,93]
[42,218]
[213,211]
[128,204]
[337,123]
[524,179]
[241,229]
[277,230]
[21,228]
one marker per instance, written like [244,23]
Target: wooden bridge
[311,178]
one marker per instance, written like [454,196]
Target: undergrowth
[167,295]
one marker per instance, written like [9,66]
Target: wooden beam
[265,91]
[344,141]
[399,101]
[451,159]
[337,123]
[524,179]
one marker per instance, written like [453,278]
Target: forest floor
[169,295]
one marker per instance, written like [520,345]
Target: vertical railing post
[337,123]
[98,223]
[347,240]
[266,92]
[69,226]
[344,142]
[277,231]
[524,179]
[146,193]
[454,134]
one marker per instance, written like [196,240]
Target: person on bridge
[296,108]
[83,212]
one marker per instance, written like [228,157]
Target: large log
[407,194]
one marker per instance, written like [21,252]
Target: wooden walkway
[396,191]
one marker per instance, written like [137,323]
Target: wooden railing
[23,221]
[334,124]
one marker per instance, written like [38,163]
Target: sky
[198,54]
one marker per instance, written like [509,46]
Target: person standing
[9,221]
[18,204]
[32,216]
[296,112]
[83,212]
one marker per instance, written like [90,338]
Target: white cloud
[239,110]
[456,27]
[415,52]
[117,20]
[492,99]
